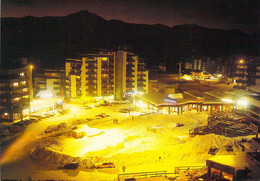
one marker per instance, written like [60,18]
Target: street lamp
[74,111]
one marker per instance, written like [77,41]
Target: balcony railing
[91,83]
[141,80]
[92,88]
[91,78]
[130,86]
[20,87]
[130,81]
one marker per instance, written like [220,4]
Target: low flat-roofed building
[39,105]
[172,104]
[227,167]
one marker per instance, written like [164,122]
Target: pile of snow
[51,158]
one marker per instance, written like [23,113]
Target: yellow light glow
[227,100]
[219,75]
[95,140]
[242,103]
[187,77]
[31,66]
[141,104]
[241,61]
[46,94]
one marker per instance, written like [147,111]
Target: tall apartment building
[52,80]
[245,73]
[105,74]
[15,93]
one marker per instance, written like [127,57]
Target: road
[15,163]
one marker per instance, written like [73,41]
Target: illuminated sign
[170,101]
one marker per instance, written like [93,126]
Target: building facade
[51,80]
[105,74]
[15,93]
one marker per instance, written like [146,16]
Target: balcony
[56,83]
[129,74]
[91,72]
[107,88]
[105,72]
[106,82]
[14,95]
[141,90]
[130,81]
[91,89]
[22,101]
[141,80]
[91,67]
[91,83]
[130,86]
[20,87]
[130,66]
[91,78]
[105,66]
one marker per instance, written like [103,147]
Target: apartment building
[51,80]
[15,92]
[105,74]
[245,72]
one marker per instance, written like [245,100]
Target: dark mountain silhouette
[52,39]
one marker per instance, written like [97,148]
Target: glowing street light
[241,61]
[242,103]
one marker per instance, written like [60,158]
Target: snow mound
[51,158]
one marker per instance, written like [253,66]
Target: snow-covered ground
[140,143]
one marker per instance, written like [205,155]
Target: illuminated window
[23,83]
[22,74]
[16,99]
[24,90]
[104,58]
[25,97]
[16,84]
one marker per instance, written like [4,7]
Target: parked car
[34,120]
[38,116]
[213,150]
[179,125]
[97,105]
[124,110]
[85,107]
[100,115]
[104,104]
[106,165]
[2,135]
[27,121]
[73,165]
[20,123]
[229,148]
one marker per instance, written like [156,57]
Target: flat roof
[237,161]
[158,99]
[255,88]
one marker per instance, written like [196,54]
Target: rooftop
[237,161]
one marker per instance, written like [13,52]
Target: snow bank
[48,157]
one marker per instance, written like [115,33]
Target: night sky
[224,14]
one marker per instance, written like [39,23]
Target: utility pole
[179,70]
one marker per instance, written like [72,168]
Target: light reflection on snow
[79,147]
